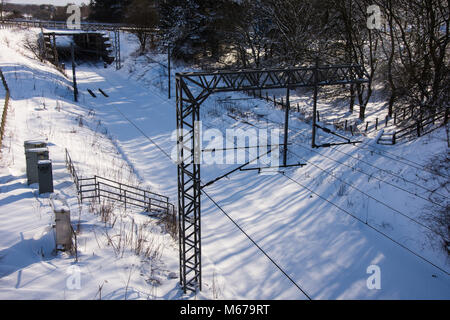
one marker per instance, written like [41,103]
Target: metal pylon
[117,49]
[189,143]
[189,188]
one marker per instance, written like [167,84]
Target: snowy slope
[335,247]
[323,224]
[29,268]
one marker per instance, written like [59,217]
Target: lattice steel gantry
[189,146]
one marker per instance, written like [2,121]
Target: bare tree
[361,45]
[142,15]
[249,32]
[415,43]
[2,9]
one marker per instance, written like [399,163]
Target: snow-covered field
[323,224]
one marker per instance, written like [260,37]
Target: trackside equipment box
[32,157]
[45,176]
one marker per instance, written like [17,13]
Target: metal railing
[86,26]
[98,188]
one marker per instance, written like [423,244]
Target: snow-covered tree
[189,26]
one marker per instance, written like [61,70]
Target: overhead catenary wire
[388,172]
[357,189]
[256,244]
[364,193]
[373,176]
[382,233]
[365,223]
[403,160]
[220,208]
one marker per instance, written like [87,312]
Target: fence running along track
[397,242]
[421,127]
[414,129]
[5,108]
[98,188]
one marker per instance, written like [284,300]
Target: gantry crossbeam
[188,113]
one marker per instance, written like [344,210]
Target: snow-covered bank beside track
[128,256]
[318,261]
[321,247]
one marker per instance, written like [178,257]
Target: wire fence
[411,120]
[422,126]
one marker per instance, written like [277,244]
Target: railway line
[298,132]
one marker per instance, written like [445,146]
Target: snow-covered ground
[41,107]
[323,224]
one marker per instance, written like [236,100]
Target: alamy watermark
[374,18]
[236,146]
[73,281]
[74,20]
[373,282]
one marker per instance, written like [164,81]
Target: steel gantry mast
[117,56]
[188,104]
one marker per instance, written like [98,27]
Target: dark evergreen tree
[108,10]
[142,15]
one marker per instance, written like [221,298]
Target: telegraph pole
[286,126]
[168,66]
[75,88]
[316,80]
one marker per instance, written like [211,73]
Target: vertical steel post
[286,124]
[75,88]
[117,48]
[168,69]
[316,69]
[189,188]
[55,52]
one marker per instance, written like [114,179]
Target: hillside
[317,228]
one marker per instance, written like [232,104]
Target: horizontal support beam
[278,167]
[227,80]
